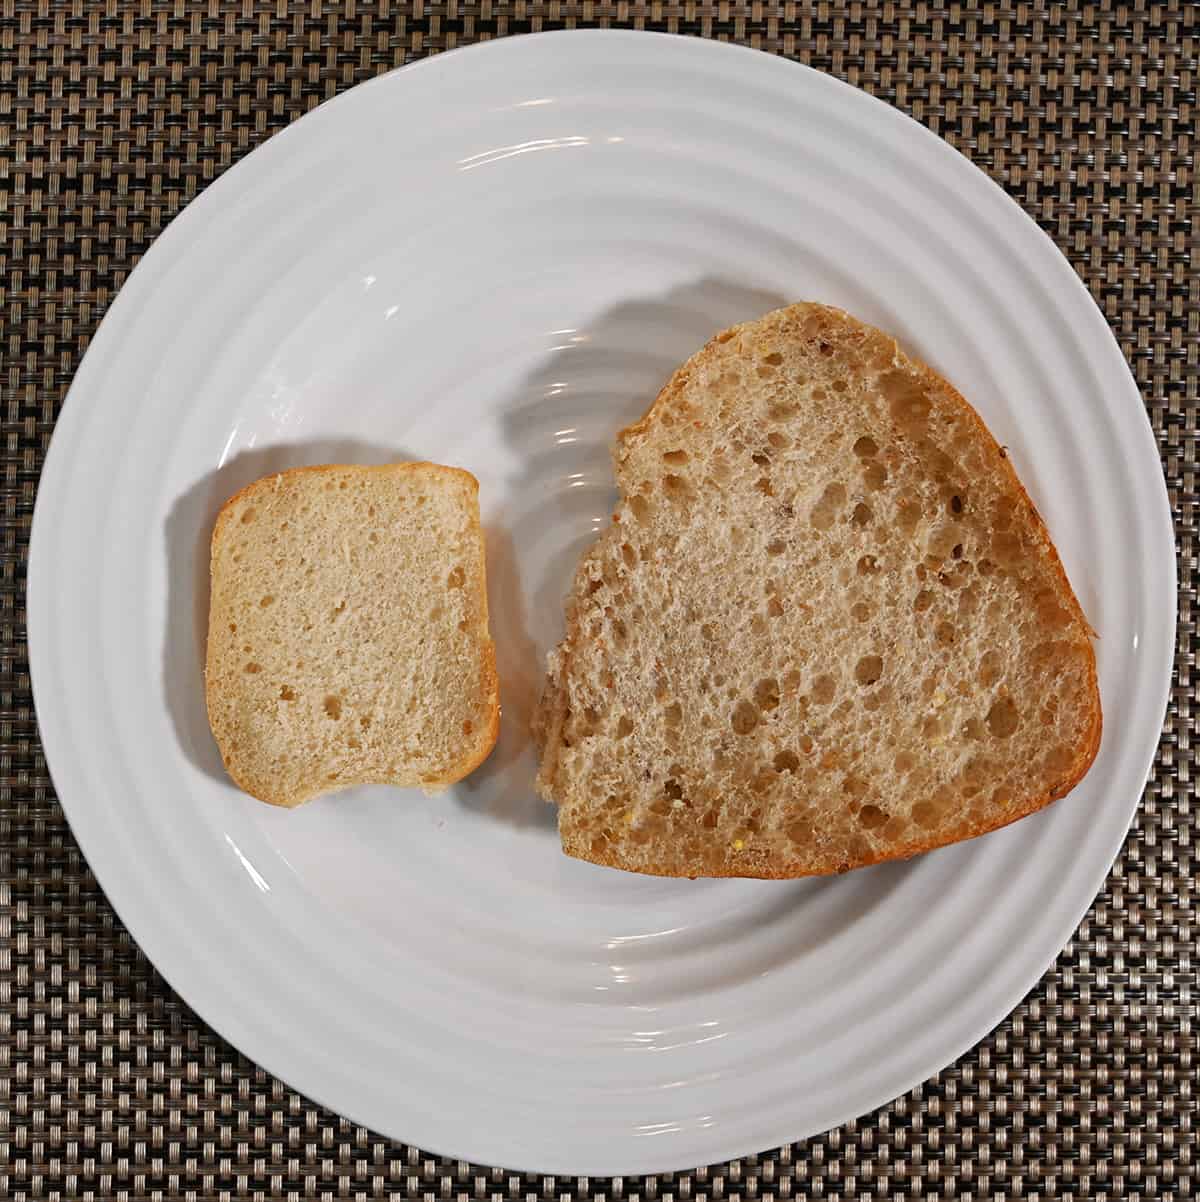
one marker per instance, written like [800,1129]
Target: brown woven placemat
[113,115]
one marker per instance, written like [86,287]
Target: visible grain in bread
[827,627]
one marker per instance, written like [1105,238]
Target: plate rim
[39,599]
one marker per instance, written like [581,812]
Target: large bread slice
[348,631]
[827,626]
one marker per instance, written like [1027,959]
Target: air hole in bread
[1003,718]
[776,546]
[925,814]
[624,727]
[774,359]
[253,668]
[267,601]
[866,447]
[745,717]
[944,634]
[956,504]
[871,817]
[922,601]
[862,515]
[907,402]
[781,412]
[824,689]
[973,729]
[287,693]
[786,761]
[774,608]
[675,486]
[1058,760]
[875,475]
[248,515]
[766,693]
[457,577]
[233,628]
[991,666]
[868,669]
[333,707]
[764,486]
[826,509]
[860,611]
[675,457]
[777,441]
[867,565]
[761,459]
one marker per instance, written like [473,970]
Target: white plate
[494,259]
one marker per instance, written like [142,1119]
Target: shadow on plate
[188,533]
[560,425]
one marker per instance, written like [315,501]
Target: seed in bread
[826,628]
[348,633]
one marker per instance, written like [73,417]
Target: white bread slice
[827,627]
[348,636]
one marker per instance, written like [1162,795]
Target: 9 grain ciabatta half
[826,628]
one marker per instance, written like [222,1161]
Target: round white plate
[494,259]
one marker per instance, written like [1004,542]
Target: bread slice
[826,628]
[348,633]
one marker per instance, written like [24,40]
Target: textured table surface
[113,115]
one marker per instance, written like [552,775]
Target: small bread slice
[827,627]
[348,633]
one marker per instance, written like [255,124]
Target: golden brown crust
[751,863]
[489,680]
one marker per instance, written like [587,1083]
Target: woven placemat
[113,115]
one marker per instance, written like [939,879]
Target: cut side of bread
[348,633]
[826,628]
